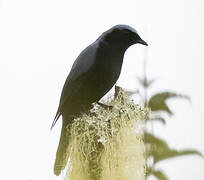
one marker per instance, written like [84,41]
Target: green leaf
[158,118]
[159,149]
[159,174]
[158,101]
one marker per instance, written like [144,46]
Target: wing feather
[82,65]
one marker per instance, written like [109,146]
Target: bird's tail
[63,150]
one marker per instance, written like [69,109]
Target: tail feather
[58,114]
[63,150]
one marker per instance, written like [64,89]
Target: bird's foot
[105,106]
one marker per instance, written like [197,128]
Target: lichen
[107,144]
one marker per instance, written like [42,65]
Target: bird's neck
[111,59]
[115,49]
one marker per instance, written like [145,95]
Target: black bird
[93,74]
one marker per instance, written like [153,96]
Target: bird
[93,74]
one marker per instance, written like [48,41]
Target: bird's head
[122,35]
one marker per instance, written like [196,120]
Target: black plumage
[92,75]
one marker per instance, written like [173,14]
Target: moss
[107,143]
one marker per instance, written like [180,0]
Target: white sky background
[40,39]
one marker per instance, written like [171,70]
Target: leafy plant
[156,148]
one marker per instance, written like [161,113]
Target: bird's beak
[142,42]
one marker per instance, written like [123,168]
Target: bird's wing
[82,65]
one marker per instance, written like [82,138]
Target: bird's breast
[104,75]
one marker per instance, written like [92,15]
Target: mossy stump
[107,143]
